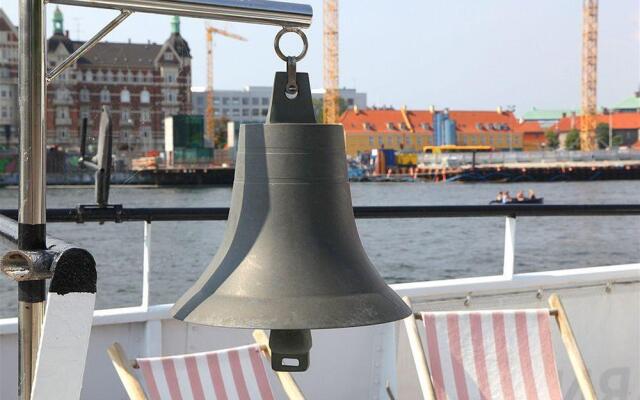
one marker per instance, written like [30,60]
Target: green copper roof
[58,22]
[631,103]
[545,115]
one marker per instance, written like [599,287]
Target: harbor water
[402,250]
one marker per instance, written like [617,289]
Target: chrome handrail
[249,11]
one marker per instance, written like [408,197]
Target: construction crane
[331,103]
[210,122]
[589,75]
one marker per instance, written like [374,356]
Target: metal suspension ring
[292,86]
[297,31]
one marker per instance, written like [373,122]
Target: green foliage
[3,163]
[220,132]
[318,108]
[617,140]
[552,140]
[602,136]
[572,141]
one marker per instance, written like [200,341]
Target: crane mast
[210,122]
[589,75]
[331,102]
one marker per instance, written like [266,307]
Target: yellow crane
[210,122]
[331,102]
[589,75]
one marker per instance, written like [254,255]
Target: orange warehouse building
[411,130]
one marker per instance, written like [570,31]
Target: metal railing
[119,214]
[558,156]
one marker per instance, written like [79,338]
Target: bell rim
[190,320]
[387,304]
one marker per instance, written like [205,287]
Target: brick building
[413,129]
[8,82]
[142,83]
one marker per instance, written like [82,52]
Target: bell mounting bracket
[291,100]
[292,89]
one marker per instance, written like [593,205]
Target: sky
[464,54]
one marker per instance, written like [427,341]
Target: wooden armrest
[571,345]
[125,373]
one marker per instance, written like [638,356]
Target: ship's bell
[291,259]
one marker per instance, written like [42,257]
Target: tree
[572,141]
[552,140]
[602,136]
[318,107]
[220,132]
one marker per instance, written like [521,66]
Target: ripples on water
[402,250]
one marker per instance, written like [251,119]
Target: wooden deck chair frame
[124,367]
[556,310]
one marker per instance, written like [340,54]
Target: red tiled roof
[618,121]
[377,120]
[421,119]
[529,127]
[466,121]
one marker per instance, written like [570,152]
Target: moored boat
[535,200]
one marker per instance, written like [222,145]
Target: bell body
[291,257]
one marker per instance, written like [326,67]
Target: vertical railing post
[508,266]
[32,209]
[152,328]
[146,265]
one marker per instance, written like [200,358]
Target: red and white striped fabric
[492,355]
[237,373]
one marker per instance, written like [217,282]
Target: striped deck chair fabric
[237,373]
[491,355]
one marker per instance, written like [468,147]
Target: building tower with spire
[58,22]
[142,84]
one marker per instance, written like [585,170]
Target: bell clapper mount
[292,84]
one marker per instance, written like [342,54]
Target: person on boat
[532,194]
[506,197]
[520,196]
[499,197]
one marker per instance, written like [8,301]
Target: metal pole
[146,265]
[508,267]
[88,45]
[32,209]
[30,318]
[253,12]
[610,131]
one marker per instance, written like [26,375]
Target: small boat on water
[535,200]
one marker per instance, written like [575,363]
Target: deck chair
[238,372]
[500,354]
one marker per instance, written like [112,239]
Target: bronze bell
[291,258]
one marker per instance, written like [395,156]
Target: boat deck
[603,304]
